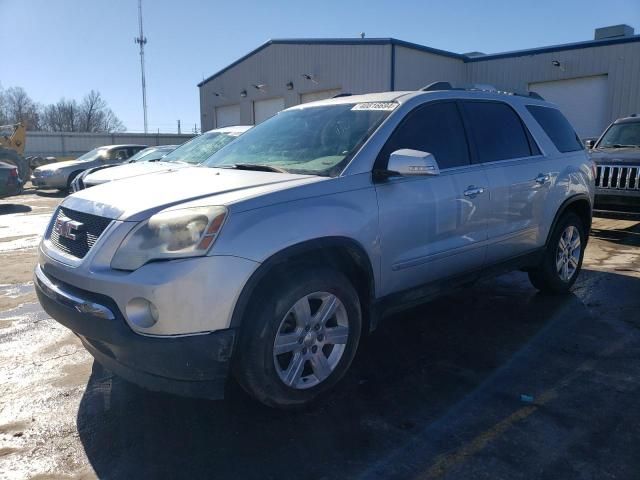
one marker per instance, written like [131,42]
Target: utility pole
[179,132]
[142,40]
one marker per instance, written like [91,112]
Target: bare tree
[20,108]
[63,116]
[96,116]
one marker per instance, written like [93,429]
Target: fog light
[142,312]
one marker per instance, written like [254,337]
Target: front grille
[618,177]
[86,236]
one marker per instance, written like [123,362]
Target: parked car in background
[60,175]
[10,183]
[308,229]
[617,156]
[150,154]
[189,154]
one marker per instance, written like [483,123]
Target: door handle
[472,191]
[543,178]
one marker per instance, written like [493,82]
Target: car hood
[137,198]
[130,170]
[58,165]
[616,155]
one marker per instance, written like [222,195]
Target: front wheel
[563,256]
[298,337]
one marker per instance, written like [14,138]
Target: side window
[435,128]
[497,131]
[557,128]
[120,154]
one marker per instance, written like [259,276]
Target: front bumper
[623,200]
[195,366]
[48,182]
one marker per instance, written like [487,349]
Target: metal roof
[423,48]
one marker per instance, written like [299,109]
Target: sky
[65,48]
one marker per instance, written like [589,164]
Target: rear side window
[557,128]
[497,131]
[435,128]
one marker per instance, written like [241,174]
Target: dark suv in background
[617,155]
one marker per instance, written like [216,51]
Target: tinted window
[436,128]
[497,131]
[557,127]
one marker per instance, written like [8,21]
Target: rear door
[429,228]
[519,177]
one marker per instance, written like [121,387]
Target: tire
[562,262]
[71,178]
[287,308]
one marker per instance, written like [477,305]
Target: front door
[432,227]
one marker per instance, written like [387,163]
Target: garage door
[263,109]
[583,101]
[227,115]
[315,96]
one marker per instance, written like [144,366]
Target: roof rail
[535,95]
[477,87]
[437,86]
[342,95]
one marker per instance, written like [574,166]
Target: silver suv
[272,259]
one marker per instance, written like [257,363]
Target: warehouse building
[593,82]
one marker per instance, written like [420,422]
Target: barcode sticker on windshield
[388,106]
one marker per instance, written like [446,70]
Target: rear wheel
[298,337]
[563,257]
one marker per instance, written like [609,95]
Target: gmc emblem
[65,227]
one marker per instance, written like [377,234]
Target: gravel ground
[493,382]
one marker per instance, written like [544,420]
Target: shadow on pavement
[7,208]
[624,236]
[51,193]
[403,388]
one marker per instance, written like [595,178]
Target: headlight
[48,173]
[179,233]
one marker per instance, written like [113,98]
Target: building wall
[73,144]
[621,63]
[350,68]
[415,69]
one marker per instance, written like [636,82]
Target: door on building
[321,95]
[583,101]
[227,115]
[263,109]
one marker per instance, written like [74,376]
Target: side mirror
[407,162]
[590,143]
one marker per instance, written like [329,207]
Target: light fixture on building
[243,93]
[308,76]
[290,86]
[259,86]
[555,63]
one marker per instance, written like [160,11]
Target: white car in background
[190,153]
[149,154]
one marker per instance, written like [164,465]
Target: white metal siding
[315,96]
[621,64]
[582,100]
[263,109]
[415,69]
[227,115]
[351,68]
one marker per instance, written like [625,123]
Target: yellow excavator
[12,140]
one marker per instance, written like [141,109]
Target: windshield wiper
[617,145]
[258,167]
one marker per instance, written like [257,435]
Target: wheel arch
[581,205]
[342,253]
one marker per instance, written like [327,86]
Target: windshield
[314,140]
[621,135]
[94,154]
[151,153]
[198,149]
